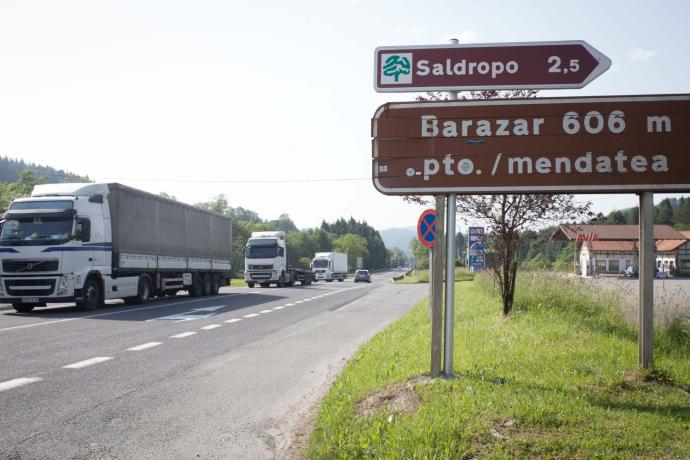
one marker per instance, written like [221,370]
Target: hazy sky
[201,97]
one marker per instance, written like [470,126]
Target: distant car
[631,271]
[362,275]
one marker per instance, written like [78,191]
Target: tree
[167,195]
[664,213]
[420,253]
[682,216]
[21,188]
[507,216]
[353,245]
[284,223]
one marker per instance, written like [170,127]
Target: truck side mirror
[83,232]
[281,252]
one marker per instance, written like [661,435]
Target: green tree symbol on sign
[396,66]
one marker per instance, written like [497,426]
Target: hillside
[398,237]
[10,169]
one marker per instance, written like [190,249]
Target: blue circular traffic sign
[426,228]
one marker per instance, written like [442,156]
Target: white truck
[266,262]
[87,243]
[329,266]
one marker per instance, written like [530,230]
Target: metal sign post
[436,267]
[647,268]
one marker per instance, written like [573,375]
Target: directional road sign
[537,65]
[609,144]
[426,228]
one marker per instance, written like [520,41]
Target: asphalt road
[229,376]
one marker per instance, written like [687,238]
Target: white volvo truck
[266,262]
[87,243]
[329,266]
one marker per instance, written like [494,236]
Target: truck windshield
[260,252]
[320,263]
[34,231]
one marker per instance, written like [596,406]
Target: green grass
[237,282]
[555,379]
[422,276]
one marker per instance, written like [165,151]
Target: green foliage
[353,245]
[376,255]
[663,213]
[396,257]
[555,380]
[11,170]
[420,253]
[26,180]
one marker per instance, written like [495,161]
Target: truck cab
[51,242]
[329,266]
[266,262]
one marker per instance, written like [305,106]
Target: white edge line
[88,362]
[18,382]
[145,346]
[182,335]
[128,310]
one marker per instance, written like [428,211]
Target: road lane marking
[289,304]
[266,311]
[190,315]
[211,326]
[145,346]
[299,301]
[233,320]
[18,382]
[127,310]
[278,308]
[251,315]
[182,335]
[88,362]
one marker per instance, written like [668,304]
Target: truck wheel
[197,287]
[22,307]
[93,297]
[250,284]
[215,284]
[208,284]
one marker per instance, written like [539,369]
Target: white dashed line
[18,382]
[88,362]
[251,315]
[145,346]
[266,311]
[289,304]
[211,326]
[182,335]
[299,301]
[278,308]
[233,320]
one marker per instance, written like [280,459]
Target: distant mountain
[10,169]
[398,237]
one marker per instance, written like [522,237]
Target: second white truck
[329,266]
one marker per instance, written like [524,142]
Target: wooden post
[647,275]
[436,265]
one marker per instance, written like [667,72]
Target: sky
[270,103]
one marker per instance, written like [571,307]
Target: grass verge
[555,379]
[422,276]
[237,282]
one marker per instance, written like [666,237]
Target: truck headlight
[62,285]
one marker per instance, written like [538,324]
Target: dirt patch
[401,398]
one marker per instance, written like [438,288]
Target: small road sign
[532,65]
[426,228]
[607,144]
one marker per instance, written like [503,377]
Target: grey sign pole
[450,272]
[647,268]
[437,287]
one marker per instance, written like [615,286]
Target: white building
[610,249]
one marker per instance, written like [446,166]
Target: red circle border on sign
[419,228]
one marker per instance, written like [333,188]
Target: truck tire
[144,291]
[93,295]
[197,287]
[23,307]
[208,284]
[250,284]
[215,284]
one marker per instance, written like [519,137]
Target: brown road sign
[537,65]
[548,145]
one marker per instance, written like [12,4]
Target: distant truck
[87,243]
[329,266]
[266,262]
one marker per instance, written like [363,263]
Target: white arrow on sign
[190,315]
